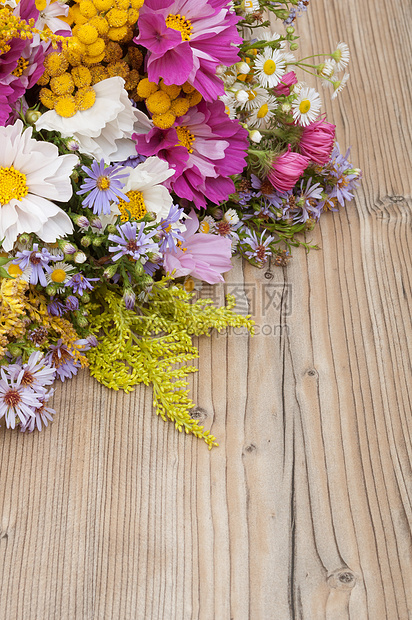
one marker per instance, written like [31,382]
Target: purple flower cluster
[24,394]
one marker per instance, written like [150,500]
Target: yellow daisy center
[269,67]
[204,227]
[251,95]
[103,183]
[58,275]
[14,270]
[180,23]
[304,106]
[12,185]
[186,138]
[263,110]
[22,64]
[136,206]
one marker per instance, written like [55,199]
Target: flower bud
[72,145]
[243,68]
[294,47]
[85,298]
[66,247]
[72,303]
[85,241]
[290,30]
[74,176]
[51,289]
[129,298]
[255,136]
[25,239]
[79,257]
[138,268]
[81,220]
[81,320]
[97,241]
[241,96]
[96,223]
[32,116]
[109,271]
[112,229]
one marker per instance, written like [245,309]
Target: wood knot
[198,413]
[250,448]
[312,372]
[343,579]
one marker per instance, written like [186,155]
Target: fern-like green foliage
[153,344]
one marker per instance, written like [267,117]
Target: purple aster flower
[259,249]
[204,149]
[129,298]
[16,399]
[132,243]
[306,202]
[104,185]
[266,191]
[187,42]
[79,283]
[38,261]
[170,236]
[346,177]
[55,308]
[72,303]
[42,414]
[36,372]
[60,358]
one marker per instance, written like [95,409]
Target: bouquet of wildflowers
[144,143]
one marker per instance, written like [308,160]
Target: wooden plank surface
[303,512]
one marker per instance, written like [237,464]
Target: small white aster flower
[231,216]
[16,272]
[60,274]
[306,106]
[249,6]
[261,116]
[341,56]
[269,67]
[207,225]
[327,69]
[243,68]
[229,102]
[339,85]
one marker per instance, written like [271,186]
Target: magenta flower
[204,149]
[201,255]
[283,88]
[317,141]
[187,41]
[287,169]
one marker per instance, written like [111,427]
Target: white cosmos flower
[306,106]
[32,174]
[269,67]
[104,130]
[50,15]
[144,190]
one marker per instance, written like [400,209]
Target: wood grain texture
[304,510]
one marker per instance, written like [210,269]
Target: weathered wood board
[303,512]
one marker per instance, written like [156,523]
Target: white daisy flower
[339,85]
[250,6]
[327,69]
[60,274]
[207,225]
[144,190]
[269,67]
[306,106]
[341,56]
[260,116]
[15,271]
[104,130]
[256,96]
[32,174]
[229,102]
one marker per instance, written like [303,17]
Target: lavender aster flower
[79,283]
[129,298]
[72,303]
[104,185]
[16,400]
[259,249]
[132,243]
[41,414]
[170,236]
[55,308]
[346,177]
[36,372]
[37,260]
[60,358]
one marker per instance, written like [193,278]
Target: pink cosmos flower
[204,148]
[317,141]
[201,255]
[187,41]
[287,169]
[283,88]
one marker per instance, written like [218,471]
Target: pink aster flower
[201,255]
[283,88]
[287,169]
[317,141]
[188,40]
[16,399]
[204,148]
